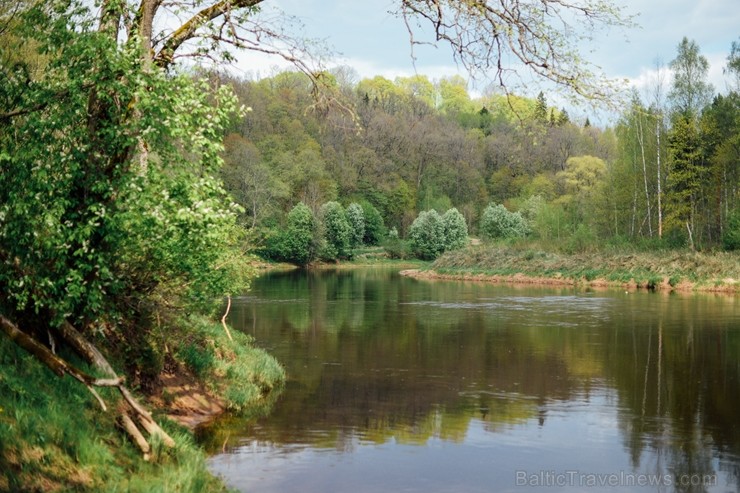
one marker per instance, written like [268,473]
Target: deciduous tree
[427,235]
[690,91]
[455,229]
[497,222]
[356,220]
[337,231]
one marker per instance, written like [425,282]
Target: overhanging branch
[166,55]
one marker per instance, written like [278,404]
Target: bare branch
[223,319]
[165,56]
[519,37]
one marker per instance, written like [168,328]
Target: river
[403,385]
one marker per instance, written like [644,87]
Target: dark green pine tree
[540,109]
[685,175]
[563,118]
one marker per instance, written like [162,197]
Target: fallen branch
[153,429]
[28,343]
[54,362]
[85,348]
[90,353]
[130,428]
[97,396]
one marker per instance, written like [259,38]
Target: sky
[369,39]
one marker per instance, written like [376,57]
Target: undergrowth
[55,437]
[233,369]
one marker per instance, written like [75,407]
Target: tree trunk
[641,141]
[658,126]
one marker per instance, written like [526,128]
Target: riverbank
[661,270]
[367,257]
[55,437]
[359,263]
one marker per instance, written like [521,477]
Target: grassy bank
[669,269]
[240,376]
[55,437]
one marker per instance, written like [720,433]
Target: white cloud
[374,42]
[647,78]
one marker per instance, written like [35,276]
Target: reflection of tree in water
[684,380]
[376,359]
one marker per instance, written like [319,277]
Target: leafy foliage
[356,220]
[374,227]
[337,231]
[102,209]
[498,222]
[395,247]
[731,237]
[296,244]
[686,172]
[427,235]
[690,91]
[455,229]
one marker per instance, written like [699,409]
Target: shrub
[374,227]
[394,246]
[337,231]
[582,240]
[498,222]
[296,243]
[531,208]
[356,220]
[427,235]
[455,229]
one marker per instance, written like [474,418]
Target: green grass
[55,437]
[233,369]
[646,268]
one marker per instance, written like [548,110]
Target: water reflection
[398,384]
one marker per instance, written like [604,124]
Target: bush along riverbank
[54,436]
[660,270]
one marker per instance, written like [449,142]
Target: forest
[665,174]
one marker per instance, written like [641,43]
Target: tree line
[665,174]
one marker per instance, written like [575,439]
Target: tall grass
[233,369]
[611,263]
[54,437]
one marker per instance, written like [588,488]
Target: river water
[403,385]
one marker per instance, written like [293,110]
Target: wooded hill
[667,171]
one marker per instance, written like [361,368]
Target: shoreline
[728,287]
